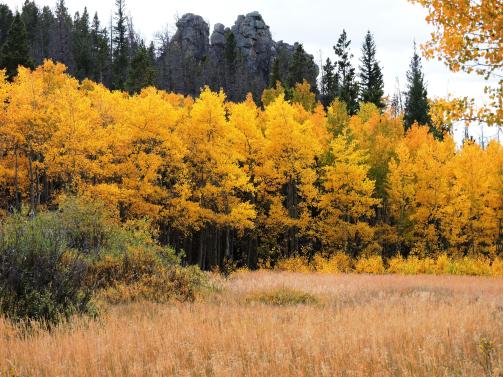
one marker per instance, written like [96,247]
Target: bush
[294,264]
[339,262]
[497,267]
[283,296]
[151,274]
[370,265]
[52,264]
[40,278]
[411,266]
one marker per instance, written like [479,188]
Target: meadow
[270,323]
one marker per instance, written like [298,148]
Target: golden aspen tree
[215,175]
[432,188]
[70,151]
[495,160]
[303,95]
[401,191]
[346,203]
[472,224]
[7,158]
[337,117]
[271,94]
[30,126]
[377,134]
[288,173]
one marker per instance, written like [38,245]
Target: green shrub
[53,263]
[40,278]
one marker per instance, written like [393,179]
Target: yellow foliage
[374,264]
[370,265]
[337,263]
[294,264]
[214,174]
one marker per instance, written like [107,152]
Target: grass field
[283,324]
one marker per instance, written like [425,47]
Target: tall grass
[361,325]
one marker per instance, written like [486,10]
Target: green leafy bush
[53,264]
[40,278]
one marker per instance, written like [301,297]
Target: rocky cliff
[238,59]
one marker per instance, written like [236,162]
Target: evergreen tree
[298,66]
[142,69]
[100,52]
[329,83]
[416,98]
[230,52]
[6,18]
[30,15]
[82,46]
[348,87]
[46,27]
[120,67]
[371,80]
[275,73]
[62,37]
[15,51]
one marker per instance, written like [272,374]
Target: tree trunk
[32,189]
[16,180]
[201,254]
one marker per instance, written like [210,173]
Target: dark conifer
[15,51]
[371,79]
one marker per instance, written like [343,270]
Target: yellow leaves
[347,197]
[271,94]
[468,36]
[290,173]
[442,198]
[302,95]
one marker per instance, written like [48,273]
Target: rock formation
[192,36]
[205,59]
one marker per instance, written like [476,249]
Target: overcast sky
[315,23]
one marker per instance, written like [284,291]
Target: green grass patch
[283,297]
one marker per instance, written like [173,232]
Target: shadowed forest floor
[282,324]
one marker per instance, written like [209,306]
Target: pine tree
[371,80]
[30,16]
[6,18]
[142,72]
[46,26]
[230,52]
[61,37]
[348,87]
[100,52]
[15,51]
[298,66]
[329,83]
[416,99]
[275,74]
[82,46]
[120,67]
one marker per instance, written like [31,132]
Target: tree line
[121,60]
[233,182]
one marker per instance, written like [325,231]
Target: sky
[395,24]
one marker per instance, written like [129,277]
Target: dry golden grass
[360,325]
